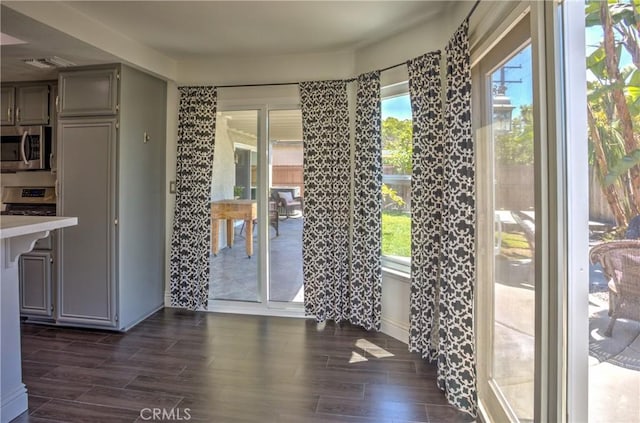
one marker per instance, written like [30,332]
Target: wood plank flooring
[209,367]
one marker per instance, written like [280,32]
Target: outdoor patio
[235,277]
[614,362]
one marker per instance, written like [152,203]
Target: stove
[29,201]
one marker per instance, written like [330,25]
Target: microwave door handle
[23,143]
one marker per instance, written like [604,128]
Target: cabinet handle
[9,114]
[57,104]
[18,114]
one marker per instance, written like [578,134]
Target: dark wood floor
[212,367]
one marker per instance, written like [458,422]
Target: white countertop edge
[12,226]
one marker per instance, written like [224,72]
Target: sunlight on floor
[299,298]
[356,358]
[373,349]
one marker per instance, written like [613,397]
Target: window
[396,178]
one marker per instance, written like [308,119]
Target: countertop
[11,226]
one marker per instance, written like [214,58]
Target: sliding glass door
[508,280]
[257,197]
[235,184]
[286,201]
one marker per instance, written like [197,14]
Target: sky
[398,107]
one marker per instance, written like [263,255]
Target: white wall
[406,45]
[224,176]
[266,69]
[171,152]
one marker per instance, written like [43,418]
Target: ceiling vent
[49,62]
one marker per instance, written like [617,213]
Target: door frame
[264,306]
[561,219]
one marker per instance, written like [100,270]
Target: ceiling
[187,30]
[284,125]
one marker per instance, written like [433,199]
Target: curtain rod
[473,9]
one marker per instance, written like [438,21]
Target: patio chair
[620,261]
[288,203]
[273,218]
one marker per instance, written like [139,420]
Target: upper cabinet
[32,105]
[7,105]
[91,92]
[25,104]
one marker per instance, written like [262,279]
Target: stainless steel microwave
[25,148]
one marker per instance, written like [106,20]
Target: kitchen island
[18,235]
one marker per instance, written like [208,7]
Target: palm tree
[614,105]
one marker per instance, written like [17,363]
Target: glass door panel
[286,198]
[513,347]
[235,184]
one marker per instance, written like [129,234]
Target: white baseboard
[13,403]
[395,330]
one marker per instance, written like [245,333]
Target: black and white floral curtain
[366,270]
[326,174]
[443,221]
[425,89]
[456,355]
[191,239]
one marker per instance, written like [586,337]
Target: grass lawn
[396,238]
[396,234]
[514,245]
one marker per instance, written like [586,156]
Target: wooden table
[246,210]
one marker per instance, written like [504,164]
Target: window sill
[400,275]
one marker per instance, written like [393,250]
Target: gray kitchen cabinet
[35,295]
[32,105]
[89,92]
[111,176]
[7,105]
[87,190]
[25,104]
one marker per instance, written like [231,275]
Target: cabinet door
[35,284]
[87,275]
[88,92]
[7,103]
[32,105]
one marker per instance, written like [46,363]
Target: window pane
[286,199]
[396,189]
[233,195]
[514,232]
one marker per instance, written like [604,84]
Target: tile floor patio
[234,276]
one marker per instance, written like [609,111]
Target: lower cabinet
[36,278]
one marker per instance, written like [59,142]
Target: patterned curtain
[191,239]
[366,270]
[326,175]
[456,356]
[443,221]
[425,89]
